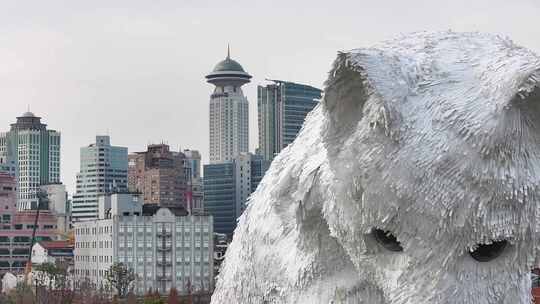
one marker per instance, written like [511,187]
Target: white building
[94,253]
[52,252]
[35,152]
[58,205]
[103,169]
[163,248]
[229,111]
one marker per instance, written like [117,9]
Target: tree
[173,297]
[85,291]
[120,277]
[53,283]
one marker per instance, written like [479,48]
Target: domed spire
[28,113]
[228,71]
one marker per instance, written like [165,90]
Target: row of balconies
[164,234]
[164,248]
[166,277]
[164,263]
[14,256]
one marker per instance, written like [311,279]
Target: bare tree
[121,278]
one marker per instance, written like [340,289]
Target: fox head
[416,180]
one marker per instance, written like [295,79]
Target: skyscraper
[282,107]
[159,175]
[103,170]
[227,186]
[229,111]
[35,152]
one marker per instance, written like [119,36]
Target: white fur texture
[432,136]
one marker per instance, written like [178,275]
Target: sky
[135,69]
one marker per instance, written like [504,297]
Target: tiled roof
[55,244]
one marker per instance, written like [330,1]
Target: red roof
[55,244]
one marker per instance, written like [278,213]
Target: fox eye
[488,252]
[387,240]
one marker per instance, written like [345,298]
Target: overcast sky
[135,69]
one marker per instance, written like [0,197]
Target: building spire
[228,51]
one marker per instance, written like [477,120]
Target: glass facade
[220,195]
[227,187]
[282,109]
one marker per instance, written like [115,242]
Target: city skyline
[81,68]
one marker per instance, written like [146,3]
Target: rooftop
[55,244]
[228,65]
[28,114]
[228,71]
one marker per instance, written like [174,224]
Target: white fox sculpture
[414,181]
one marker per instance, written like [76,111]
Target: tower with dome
[35,152]
[229,111]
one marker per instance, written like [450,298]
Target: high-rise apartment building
[165,247]
[103,169]
[282,108]
[227,186]
[229,111]
[159,175]
[35,152]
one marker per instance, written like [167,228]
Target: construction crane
[42,200]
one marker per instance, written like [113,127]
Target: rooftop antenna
[228,51]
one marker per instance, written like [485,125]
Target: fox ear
[346,92]
[355,78]
[516,117]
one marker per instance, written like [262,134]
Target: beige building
[165,247]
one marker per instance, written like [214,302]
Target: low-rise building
[16,228]
[52,252]
[165,247]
